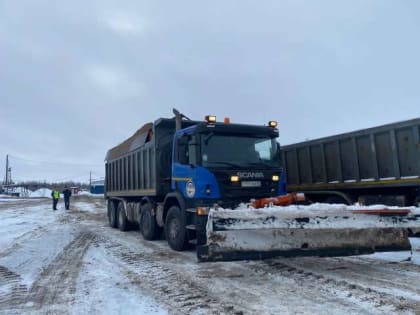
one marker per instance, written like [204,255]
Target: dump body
[141,165]
[375,165]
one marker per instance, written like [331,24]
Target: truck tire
[335,200]
[112,214]
[148,226]
[122,218]
[175,231]
[417,202]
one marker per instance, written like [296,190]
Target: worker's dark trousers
[67,203]
[55,204]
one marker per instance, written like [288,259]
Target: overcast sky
[78,77]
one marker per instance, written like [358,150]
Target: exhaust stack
[178,118]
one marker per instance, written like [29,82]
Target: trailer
[369,166]
[220,186]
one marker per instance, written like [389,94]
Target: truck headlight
[190,189]
[234,178]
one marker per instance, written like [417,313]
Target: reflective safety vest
[56,194]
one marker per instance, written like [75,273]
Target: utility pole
[8,176]
[7,168]
[90,180]
[8,179]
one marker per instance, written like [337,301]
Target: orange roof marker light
[226,120]
[272,123]
[210,119]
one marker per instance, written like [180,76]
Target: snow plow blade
[319,230]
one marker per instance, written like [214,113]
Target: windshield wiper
[208,137]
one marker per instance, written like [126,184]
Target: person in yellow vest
[55,194]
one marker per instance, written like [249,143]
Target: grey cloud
[78,77]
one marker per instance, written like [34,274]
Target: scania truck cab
[167,176]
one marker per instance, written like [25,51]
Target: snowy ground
[71,262]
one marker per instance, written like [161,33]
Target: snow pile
[42,192]
[87,193]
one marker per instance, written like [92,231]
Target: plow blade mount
[266,233]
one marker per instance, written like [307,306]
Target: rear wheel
[335,199]
[148,226]
[417,202]
[122,218]
[175,231]
[112,214]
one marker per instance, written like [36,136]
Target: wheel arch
[323,195]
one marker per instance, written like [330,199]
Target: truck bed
[388,155]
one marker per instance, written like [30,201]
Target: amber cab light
[210,119]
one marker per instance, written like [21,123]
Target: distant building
[75,190]
[97,187]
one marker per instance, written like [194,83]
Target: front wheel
[175,231]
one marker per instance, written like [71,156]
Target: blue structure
[97,187]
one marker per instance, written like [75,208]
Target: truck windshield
[221,150]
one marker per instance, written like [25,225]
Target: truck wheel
[335,199]
[148,226]
[122,218]
[175,231]
[112,214]
[417,202]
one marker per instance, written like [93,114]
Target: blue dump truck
[192,182]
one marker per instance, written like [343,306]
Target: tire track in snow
[401,276]
[18,241]
[56,284]
[171,288]
[327,283]
[12,291]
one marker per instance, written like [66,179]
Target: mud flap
[264,234]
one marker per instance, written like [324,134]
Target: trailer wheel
[335,199]
[148,226]
[112,214]
[175,231]
[122,218]
[417,202]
